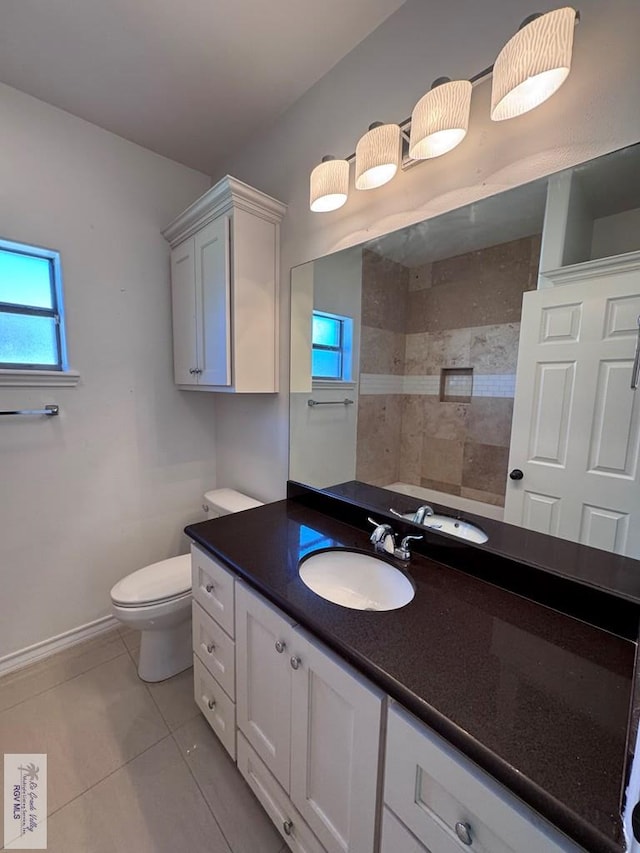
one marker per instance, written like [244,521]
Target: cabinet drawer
[432,787]
[213,589]
[218,709]
[396,838]
[274,801]
[215,649]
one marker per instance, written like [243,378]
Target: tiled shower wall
[459,312]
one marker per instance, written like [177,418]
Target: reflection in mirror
[482,360]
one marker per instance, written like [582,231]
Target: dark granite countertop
[537,698]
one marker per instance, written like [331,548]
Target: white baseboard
[45,648]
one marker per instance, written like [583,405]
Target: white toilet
[156,600]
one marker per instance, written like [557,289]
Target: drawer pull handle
[295,662]
[280,646]
[463,831]
[211,648]
[209,588]
[287,827]
[211,703]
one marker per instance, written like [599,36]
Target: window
[31,319]
[331,347]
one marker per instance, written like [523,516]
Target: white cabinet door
[183,301]
[576,420]
[396,838]
[335,733]
[263,680]
[213,302]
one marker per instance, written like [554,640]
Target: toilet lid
[157,582]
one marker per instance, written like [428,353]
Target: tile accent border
[45,648]
[484,385]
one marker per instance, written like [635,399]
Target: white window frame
[346,353]
[40,375]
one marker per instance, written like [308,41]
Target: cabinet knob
[209,588]
[295,662]
[198,371]
[211,647]
[280,646]
[463,831]
[287,827]
[516,474]
[192,370]
[210,703]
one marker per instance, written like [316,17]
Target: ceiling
[192,80]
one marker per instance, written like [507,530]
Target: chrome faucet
[384,540]
[421,513]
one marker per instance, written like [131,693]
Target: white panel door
[263,680]
[183,302]
[576,421]
[213,297]
[335,733]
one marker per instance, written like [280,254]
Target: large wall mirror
[484,360]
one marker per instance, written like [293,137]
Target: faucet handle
[403,552]
[395,512]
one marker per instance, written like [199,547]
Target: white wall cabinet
[313,722]
[224,283]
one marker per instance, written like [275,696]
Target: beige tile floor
[132,767]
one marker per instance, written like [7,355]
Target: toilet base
[166,652]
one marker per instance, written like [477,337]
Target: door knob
[516,474]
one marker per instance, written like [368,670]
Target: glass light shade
[329,185]
[440,120]
[533,64]
[378,156]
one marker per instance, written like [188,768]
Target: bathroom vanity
[489,713]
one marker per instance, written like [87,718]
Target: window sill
[330,384]
[39,378]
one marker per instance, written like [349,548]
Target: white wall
[108,486]
[616,234]
[382,78]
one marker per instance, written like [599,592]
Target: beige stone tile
[442,460]
[420,277]
[174,698]
[416,355]
[378,438]
[485,467]
[385,287]
[381,351]
[436,485]
[89,726]
[241,817]
[485,497]
[445,420]
[152,805]
[494,349]
[448,349]
[411,436]
[489,420]
[47,673]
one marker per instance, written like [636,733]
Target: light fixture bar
[405,124]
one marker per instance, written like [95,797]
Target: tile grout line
[64,681]
[104,778]
[202,794]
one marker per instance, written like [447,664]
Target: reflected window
[31,324]
[331,341]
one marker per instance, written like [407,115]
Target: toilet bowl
[156,600]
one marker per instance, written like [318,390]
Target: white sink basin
[452,526]
[358,581]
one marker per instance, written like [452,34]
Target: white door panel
[183,304]
[576,422]
[213,293]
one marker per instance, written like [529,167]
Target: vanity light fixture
[533,64]
[440,119]
[378,155]
[329,184]
[529,69]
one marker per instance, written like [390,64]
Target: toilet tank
[226,501]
